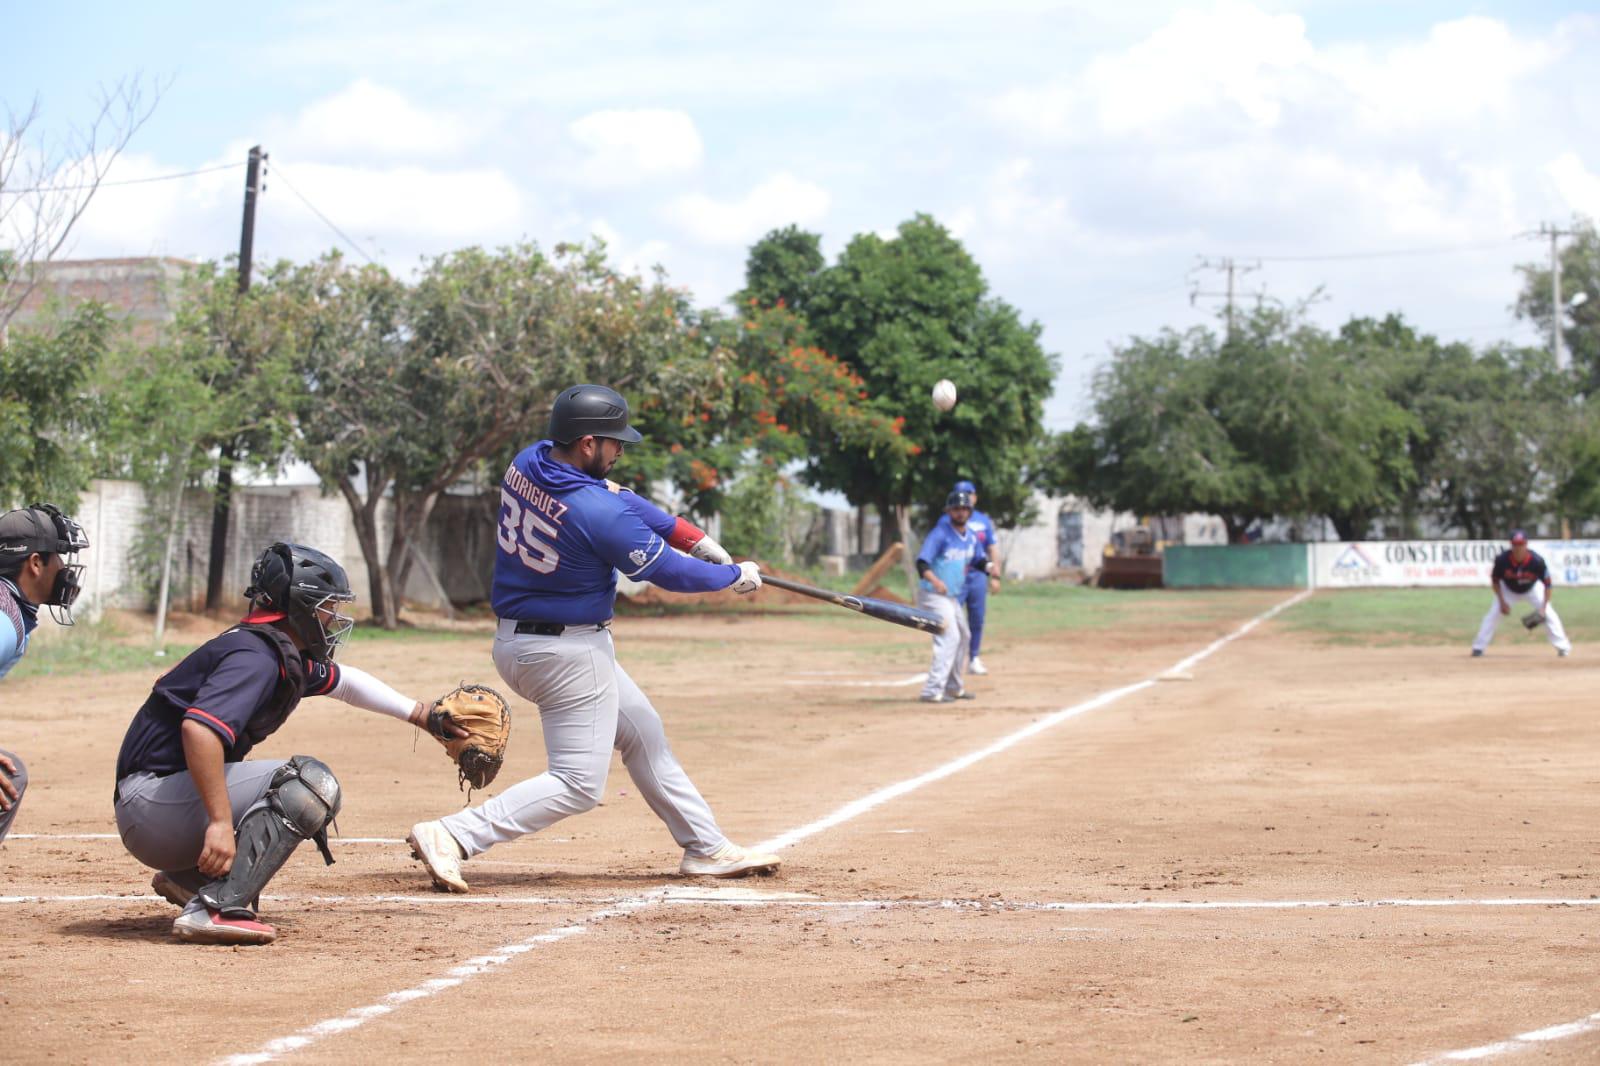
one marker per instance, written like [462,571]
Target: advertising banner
[1442,563]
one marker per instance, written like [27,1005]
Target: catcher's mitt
[1533,619]
[483,713]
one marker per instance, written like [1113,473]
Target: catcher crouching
[215,827]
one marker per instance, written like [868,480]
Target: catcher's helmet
[958,499]
[41,529]
[591,411]
[307,586]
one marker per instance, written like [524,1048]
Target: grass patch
[1430,616]
[94,648]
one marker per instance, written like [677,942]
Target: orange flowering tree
[750,397]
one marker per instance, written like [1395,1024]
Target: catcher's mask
[42,529]
[308,587]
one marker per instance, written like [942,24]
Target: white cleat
[730,860]
[976,667]
[439,852]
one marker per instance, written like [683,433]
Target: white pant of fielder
[1534,599]
[947,673]
[587,704]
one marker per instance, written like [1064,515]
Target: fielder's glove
[1533,619]
[484,714]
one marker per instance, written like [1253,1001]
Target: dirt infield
[1304,850]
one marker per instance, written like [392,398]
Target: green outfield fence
[1236,566]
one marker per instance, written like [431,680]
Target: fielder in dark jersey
[1520,575]
[565,533]
[215,827]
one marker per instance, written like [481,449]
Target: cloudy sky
[1089,154]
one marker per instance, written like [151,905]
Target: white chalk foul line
[671,896]
[113,836]
[361,1015]
[1050,721]
[1520,1042]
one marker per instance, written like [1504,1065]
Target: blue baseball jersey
[564,535]
[18,618]
[983,528]
[223,684]
[949,554]
[1520,577]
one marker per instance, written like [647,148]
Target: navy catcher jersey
[1520,577]
[563,537]
[222,684]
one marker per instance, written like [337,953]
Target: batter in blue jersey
[980,583]
[948,551]
[565,533]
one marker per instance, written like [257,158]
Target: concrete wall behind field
[458,544]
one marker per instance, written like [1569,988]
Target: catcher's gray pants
[163,819]
[19,780]
[587,704]
[1534,598]
[947,673]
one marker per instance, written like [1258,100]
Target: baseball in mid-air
[944,394]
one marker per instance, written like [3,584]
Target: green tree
[903,313]
[1280,420]
[48,406]
[410,390]
[782,270]
[751,396]
[1580,325]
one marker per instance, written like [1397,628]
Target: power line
[278,170]
[1393,253]
[126,181]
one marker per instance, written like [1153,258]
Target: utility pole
[1558,347]
[222,503]
[1230,267]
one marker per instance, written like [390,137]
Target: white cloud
[778,201]
[630,258]
[1578,186]
[634,147]
[365,120]
[1462,71]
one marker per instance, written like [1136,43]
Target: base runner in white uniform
[1521,576]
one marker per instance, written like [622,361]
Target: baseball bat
[899,614]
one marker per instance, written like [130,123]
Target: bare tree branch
[45,186]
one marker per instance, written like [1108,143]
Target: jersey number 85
[519,535]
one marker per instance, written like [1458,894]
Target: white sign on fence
[1442,563]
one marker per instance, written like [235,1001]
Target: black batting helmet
[958,499]
[307,586]
[591,411]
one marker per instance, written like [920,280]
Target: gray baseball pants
[163,819]
[587,705]
[20,781]
[947,673]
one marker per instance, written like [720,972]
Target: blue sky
[1086,153]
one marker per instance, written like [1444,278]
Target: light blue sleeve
[12,645]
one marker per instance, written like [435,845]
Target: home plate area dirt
[1303,851]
